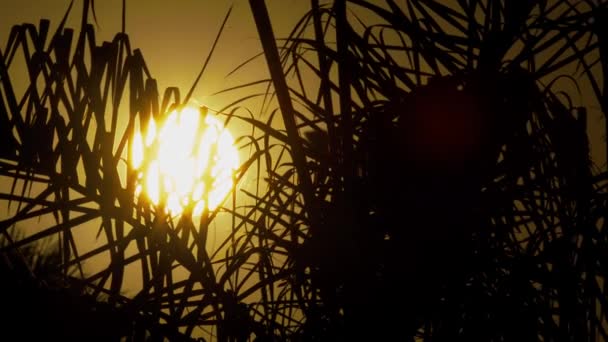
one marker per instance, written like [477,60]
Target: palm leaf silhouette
[422,176]
[454,170]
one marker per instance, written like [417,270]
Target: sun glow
[186,161]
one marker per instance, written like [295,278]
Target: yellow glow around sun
[189,159]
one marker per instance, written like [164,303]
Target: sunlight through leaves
[186,161]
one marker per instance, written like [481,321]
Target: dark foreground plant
[66,175]
[446,190]
[39,304]
[431,180]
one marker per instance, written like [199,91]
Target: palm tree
[446,187]
[430,181]
[63,148]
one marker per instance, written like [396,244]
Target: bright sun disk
[185,161]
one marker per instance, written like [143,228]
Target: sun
[188,160]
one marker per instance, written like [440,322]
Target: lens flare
[186,161]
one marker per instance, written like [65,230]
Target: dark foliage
[425,180]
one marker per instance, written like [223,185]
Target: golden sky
[175,39]
[174,36]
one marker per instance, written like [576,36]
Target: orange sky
[175,37]
[175,40]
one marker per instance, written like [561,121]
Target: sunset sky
[389,160]
[175,37]
[175,41]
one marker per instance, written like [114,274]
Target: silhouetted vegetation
[39,304]
[423,176]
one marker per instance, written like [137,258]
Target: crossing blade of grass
[217,38]
[260,13]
